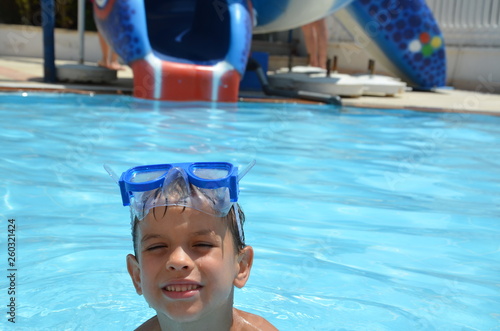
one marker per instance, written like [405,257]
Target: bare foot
[110,66]
[102,63]
[116,66]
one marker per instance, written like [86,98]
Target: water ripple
[361,219]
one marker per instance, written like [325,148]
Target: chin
[180,312]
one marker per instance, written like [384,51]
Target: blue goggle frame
[128,185]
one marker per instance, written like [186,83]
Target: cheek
[211,266]
[220,268]
[150,268]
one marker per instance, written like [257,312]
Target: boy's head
[188,243]
[186,264]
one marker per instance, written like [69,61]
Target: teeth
[181,288]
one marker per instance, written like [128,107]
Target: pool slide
[197,50]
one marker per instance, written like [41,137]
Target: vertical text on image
[11,270]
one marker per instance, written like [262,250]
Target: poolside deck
[26,74]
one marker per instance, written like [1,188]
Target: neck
[220,320]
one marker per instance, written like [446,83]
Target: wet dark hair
[239,243]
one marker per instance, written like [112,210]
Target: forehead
[175,219]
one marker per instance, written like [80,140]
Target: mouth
[181,288]
[181,291]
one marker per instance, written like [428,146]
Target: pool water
[361,219]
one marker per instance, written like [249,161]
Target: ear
[245,261]
[135,272]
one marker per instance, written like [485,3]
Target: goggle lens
[146,176]
[205,173]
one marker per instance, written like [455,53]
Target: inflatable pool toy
[401,35]
[180,50]
[196,50]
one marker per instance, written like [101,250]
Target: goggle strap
[111,173]
[121,184]
[246,169]
[238,222]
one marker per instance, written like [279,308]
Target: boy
[189,245]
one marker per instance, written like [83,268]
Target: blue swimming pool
[361,219]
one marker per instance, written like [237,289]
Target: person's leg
[103,62]
[109,57]
[311,43]
[322,42]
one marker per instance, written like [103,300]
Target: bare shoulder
[150,325]
[244,321]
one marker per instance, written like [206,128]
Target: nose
[179,260]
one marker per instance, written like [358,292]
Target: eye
[203,245]
[155,247]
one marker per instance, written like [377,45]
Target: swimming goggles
[210,187]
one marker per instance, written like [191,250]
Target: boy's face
[187,264]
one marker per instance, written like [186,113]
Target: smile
[179,291]
[181,288]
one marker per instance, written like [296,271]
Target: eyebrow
[149,236]
[204,232]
